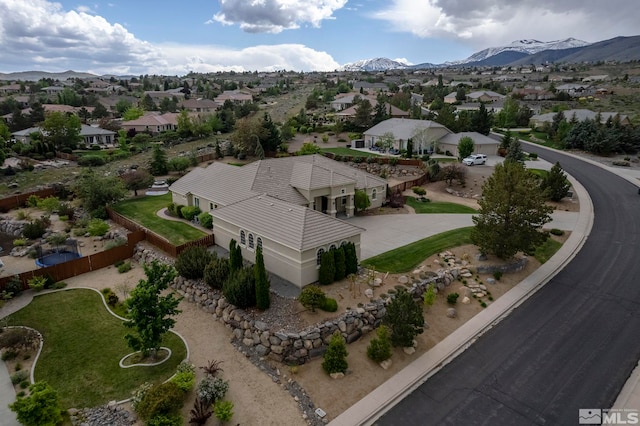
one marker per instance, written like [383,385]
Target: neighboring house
[199,105]
[347,100]
[152,123]
[158,95]
[393,111]
[52,90]
[370,87]
[538,120]
[482,144]
[12,88]
[91,135]
[533,94]
[234,96]
[574,89]
[486,96]
[286,205]
[451,98]
[424,133]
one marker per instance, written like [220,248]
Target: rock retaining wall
[12,227]
[288,347]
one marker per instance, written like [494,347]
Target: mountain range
[525,52]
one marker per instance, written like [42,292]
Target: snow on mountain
[524,46]
[376,64]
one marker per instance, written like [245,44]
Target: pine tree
[515,152]
[327,270]
[379,348]
[351,258]
[235,263]
[159,164]
[404,319]
[335,359]
[263,296]
[340,263]
[555,185]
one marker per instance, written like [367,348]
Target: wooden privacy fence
[158,240]
[82,265]
[19,200]
[409,184]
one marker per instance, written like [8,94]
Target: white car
[475,159]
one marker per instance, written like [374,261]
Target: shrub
[452,298]
[418,190]
[329,305]
[379,348]
[554,231]
[41,407]
[240,288]
[14,286]
[327,268]
[19,376]
[179,210]
[210,390]
[37,283]
[91,161]
[335,359]
[223,410]
[497,275]
[404,318]
[97,227]
[34,229]
[32,201]
[20,242]
[312,297]
[185,377]
[340,263]
[115,243]
[192,262]
[138,395]
[206,220]
[200,413]
[162,399]
[429,295]
[165,420]
[125,267]
[189,212]
[216,272]
[351,258]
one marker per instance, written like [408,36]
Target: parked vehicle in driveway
[475,159]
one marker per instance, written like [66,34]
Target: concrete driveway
[387,232]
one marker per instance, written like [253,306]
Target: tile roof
[294,226]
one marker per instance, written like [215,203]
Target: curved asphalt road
[572,345]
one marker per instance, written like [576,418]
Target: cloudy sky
[175,37]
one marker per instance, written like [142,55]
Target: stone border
[121,363]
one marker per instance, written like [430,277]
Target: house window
[243,238]
[259,243]
[374,194]
[342,244]
[344,200]
[210,206]
[196,202]
[251,241]
[319,256]
[332,247]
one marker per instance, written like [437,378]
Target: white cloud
[274,16]
[484,23]
[38,33]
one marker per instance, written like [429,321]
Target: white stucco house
[288,206]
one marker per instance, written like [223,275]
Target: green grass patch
[406,258]
[83,344]
[445,159]
[347,152]
[545,251]
[144,211]
[539,172]
[437,207]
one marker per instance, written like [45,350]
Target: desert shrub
[91,161]
[379,348]
[37,282]
[497,275]
[14,286]
[312,297]
[49,204]
[165,420]
[185,376]
[117,242]
[20,242]
[19,376]
[138,395]
[452,298]
[216,272]
[9,355]
[160,400]
[335,359]
[329,305]
[34,229]
[97,227]
[223,410]
[189,212]
[240,288]
[429,295]
[206,220]
[192,262]
[32,201]
[125,267]
[110,297]
[58,285]
[554,231]
[210,389]
[418,190]
[404,318]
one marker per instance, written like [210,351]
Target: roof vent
[270,204]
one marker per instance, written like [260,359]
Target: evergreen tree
[263,295]
[404,319]
[340,263]
[481,121]
[555,185]
[512,212]
[271,138]
[515,152]
[409,148]
[351,258]
[335,359]
[235,261]
[159,164]
[379,348]
[327,271]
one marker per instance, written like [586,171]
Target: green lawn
[545,251]
[83,345]
[438,207]
[349,152]
[144,211]
[406,258]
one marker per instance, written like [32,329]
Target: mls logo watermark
[597,416]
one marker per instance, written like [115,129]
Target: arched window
[342,244]
[243,238]
[250,241]
[259,242]
[319,256]
[374,194]
[332,247]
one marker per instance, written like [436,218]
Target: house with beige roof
[423,133]
[289,206]
[152,123]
